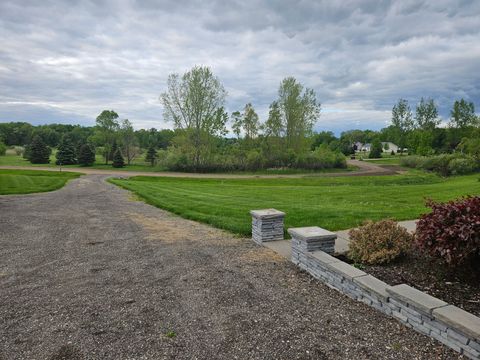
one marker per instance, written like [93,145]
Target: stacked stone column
[267,225]
[308,239]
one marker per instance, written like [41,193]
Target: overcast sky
[66,61]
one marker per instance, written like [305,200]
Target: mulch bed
[461,289]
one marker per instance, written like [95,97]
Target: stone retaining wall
[426,314]
[430,316]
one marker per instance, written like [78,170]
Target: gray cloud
[67,61]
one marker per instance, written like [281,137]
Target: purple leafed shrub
[451,232]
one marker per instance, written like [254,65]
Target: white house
[387,146]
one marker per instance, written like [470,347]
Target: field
[332,203]
[26,181]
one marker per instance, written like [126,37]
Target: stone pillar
[267,225]
[312,238]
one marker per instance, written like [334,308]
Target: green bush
[450,164]
[414,162]
[462,166]
[3,148]
[321,158]
[379,242]
[438,164]
[254,160]
[376,150]
[444,165]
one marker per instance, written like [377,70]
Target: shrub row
[449,233]
[253,160]
[444,165]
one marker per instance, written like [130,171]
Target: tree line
[194,104]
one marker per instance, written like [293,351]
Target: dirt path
[86,272]
[364,169]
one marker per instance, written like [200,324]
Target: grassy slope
[26,181]
[332,203]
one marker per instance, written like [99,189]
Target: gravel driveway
[88,272]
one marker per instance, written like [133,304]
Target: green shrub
[414,162]
[254,160]
[438,164]
[376,150]
[462,166]
[17,150]
[3,148]
[450,164]
[321,158]
[379,242]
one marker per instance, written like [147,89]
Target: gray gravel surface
[88,272]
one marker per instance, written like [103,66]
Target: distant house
[358,146]
[387,146]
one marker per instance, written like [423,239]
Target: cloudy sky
[66,61]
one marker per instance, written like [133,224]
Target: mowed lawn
[331,203]
[26,181]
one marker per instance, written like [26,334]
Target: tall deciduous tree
[247,121]
[107,126]
[194,103]
[128,140]
[426,115]
[402,121]
[299,110]
[463,114]
[274,125]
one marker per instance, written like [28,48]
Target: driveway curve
[364,169]
[88,272]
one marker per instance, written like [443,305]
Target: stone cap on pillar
[311,233]
[267,214]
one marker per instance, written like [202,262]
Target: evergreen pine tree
[151,155]
[66,154]
[39,152]
[113,150]
[118,161]
[86,155]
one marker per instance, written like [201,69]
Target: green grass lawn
[17,160]
[331,203]
[32,181]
